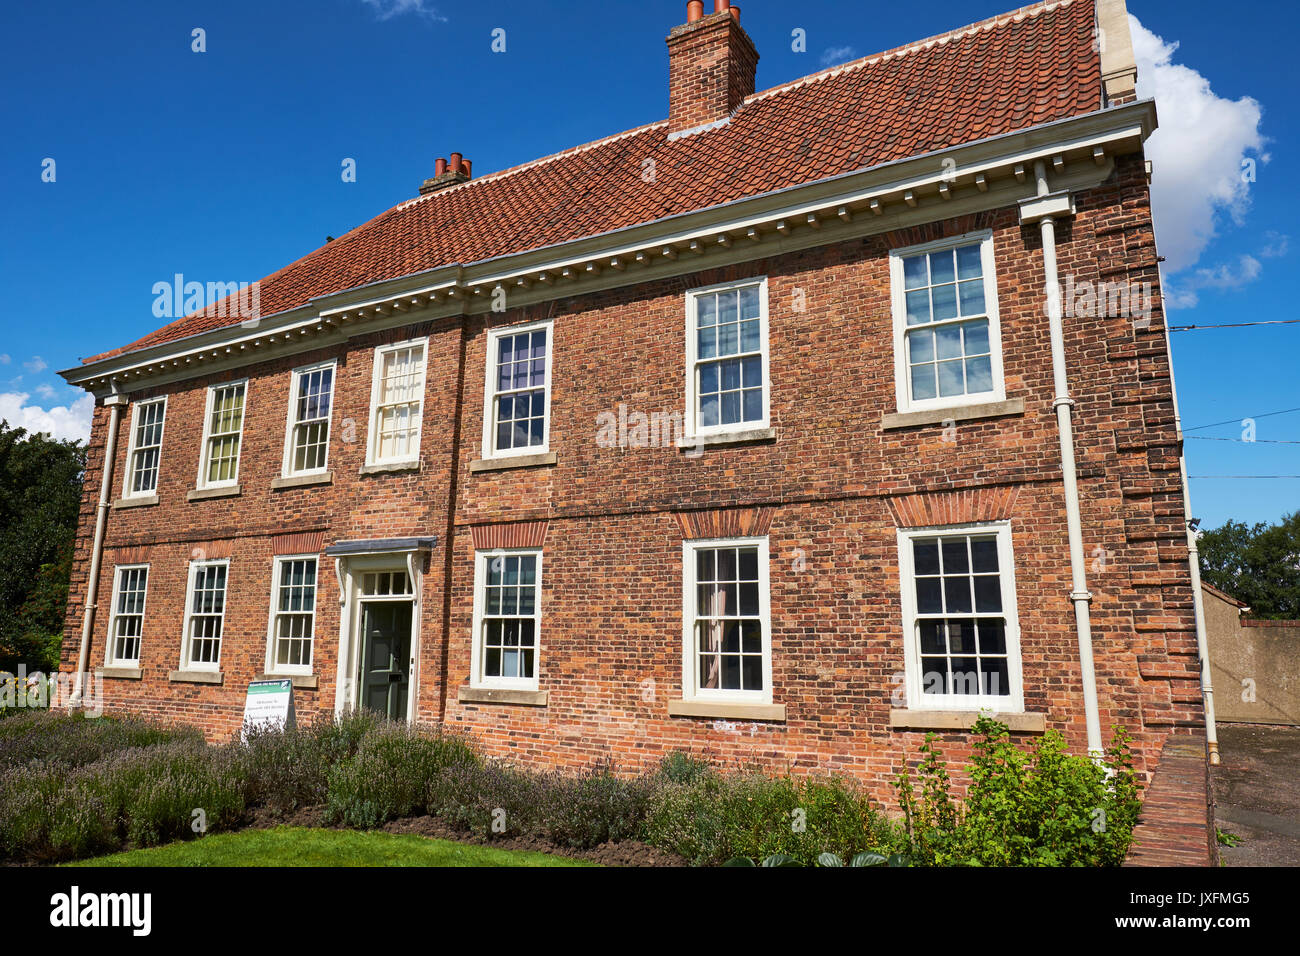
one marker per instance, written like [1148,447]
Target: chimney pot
[711,67]
[446,174]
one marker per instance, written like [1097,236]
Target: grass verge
[302,846]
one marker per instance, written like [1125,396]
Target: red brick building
[754,431]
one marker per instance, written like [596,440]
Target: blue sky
[225,165]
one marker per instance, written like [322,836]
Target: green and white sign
[269,704]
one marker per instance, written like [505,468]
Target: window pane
[923,381]
[944,300]
[925,555]
[968,262]
[979,375]
[918,306]
[941,267]
[951,379]
[914,272]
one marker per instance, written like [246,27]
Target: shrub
[145,795]
[594,808]
[53,738]
[390,773]
[1047,808]
[720,817]
[285,769]
[161,791]
[488,800]
[683,768]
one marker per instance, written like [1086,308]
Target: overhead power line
[1232,325]
[1247,441]
[1238,421]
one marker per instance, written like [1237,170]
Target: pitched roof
[1008,73]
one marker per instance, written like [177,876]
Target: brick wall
[833,485]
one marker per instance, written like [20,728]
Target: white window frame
[128,480]
[205,449]
[1014,703]
[372,430]
[187,636]
[110,653]
[691,690]
[690,421]
[272,632]
[490,393]
[477,679]
[898,299]
[291,422]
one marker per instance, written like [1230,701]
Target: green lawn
[301,846]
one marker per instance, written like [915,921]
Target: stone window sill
[141,501]
[203,494]
[389,467]
[517,461]
[729,438]
[903,719]
[305,681]
[726,709]
[120,673]
[302,481]
[195,677]
[957,413]
[496,695]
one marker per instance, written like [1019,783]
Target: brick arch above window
[211,550]
[301,542]
[518,534]
[943,229]
[729,523]
[136,554]
[954,507]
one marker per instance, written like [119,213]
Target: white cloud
[387,9]
[45,390]
[4,359]
[61,421]
[1223,277]
[837,54]
[1277,244]
[1196,153]
[35,365]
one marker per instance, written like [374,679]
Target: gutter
[115,403]
[1044,209]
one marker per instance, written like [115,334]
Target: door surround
[353,560]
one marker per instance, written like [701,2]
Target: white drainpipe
[115,405]
[1043,208]
[1194,565]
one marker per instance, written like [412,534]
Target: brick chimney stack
[711,65]
[446,173]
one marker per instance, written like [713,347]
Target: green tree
[40,497]
[1259,565]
